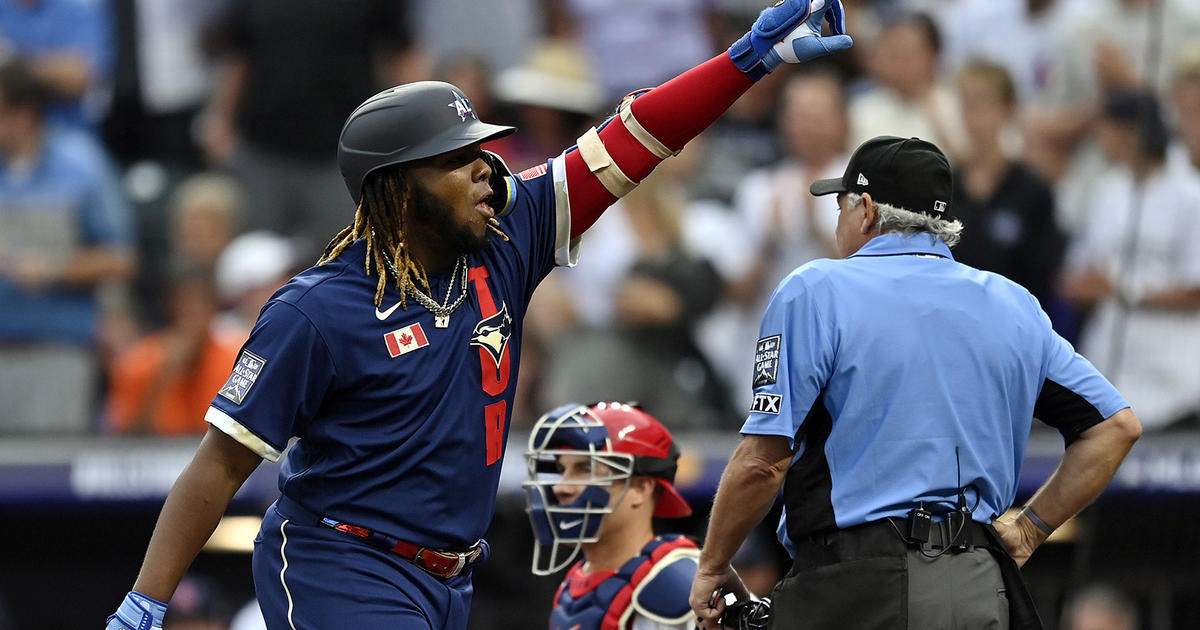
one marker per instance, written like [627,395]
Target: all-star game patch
[245,372]
[766,361]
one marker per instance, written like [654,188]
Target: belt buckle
[436,567]
[459,564]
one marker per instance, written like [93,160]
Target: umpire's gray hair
[899,220]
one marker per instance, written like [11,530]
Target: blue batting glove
[790,32]
[806,42]
[137,612]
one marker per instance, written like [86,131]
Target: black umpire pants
[869,578]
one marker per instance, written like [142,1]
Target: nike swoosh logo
[382,315]
[571,524]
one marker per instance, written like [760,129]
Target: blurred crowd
[165,165]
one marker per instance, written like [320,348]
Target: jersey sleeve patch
[766,403]
[241,379]
[766,361]
[532,172]
[663,594]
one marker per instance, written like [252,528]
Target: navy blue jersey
[400,425]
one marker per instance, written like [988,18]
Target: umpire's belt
[440,563]
[963,535]
[888,532]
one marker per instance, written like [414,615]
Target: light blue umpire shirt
[899,375]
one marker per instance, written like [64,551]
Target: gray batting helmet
[408,122]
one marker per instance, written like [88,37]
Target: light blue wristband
[137,612]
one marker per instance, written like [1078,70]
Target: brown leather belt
[440,563]
[436,562]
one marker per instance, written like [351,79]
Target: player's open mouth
[485,209]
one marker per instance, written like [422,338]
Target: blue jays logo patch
[766,361]
[462,106]
[492,334]
[245,372]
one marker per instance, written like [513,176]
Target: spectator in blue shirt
[62,235]
[68,45]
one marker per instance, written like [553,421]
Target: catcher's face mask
[569,448]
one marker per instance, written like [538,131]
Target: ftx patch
[767,403]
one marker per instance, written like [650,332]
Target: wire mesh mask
[561,530]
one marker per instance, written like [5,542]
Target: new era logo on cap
[862,180]
[405,340]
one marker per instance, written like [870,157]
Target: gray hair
[899,220]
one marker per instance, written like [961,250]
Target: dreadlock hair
[380,219]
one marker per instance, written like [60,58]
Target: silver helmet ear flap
[504,192]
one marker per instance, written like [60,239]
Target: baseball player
[894,391]
[598,475]
[390,365]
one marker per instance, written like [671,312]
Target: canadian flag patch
[405,340]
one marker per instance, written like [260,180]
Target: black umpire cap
[907,173]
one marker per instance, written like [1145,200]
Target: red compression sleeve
[678,110]
[674,113]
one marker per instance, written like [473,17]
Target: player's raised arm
[654,124]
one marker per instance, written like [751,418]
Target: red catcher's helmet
[634,432]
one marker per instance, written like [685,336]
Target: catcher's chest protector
[599,601]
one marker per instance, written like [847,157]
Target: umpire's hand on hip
[1020,536]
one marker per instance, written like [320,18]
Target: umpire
[893,396]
